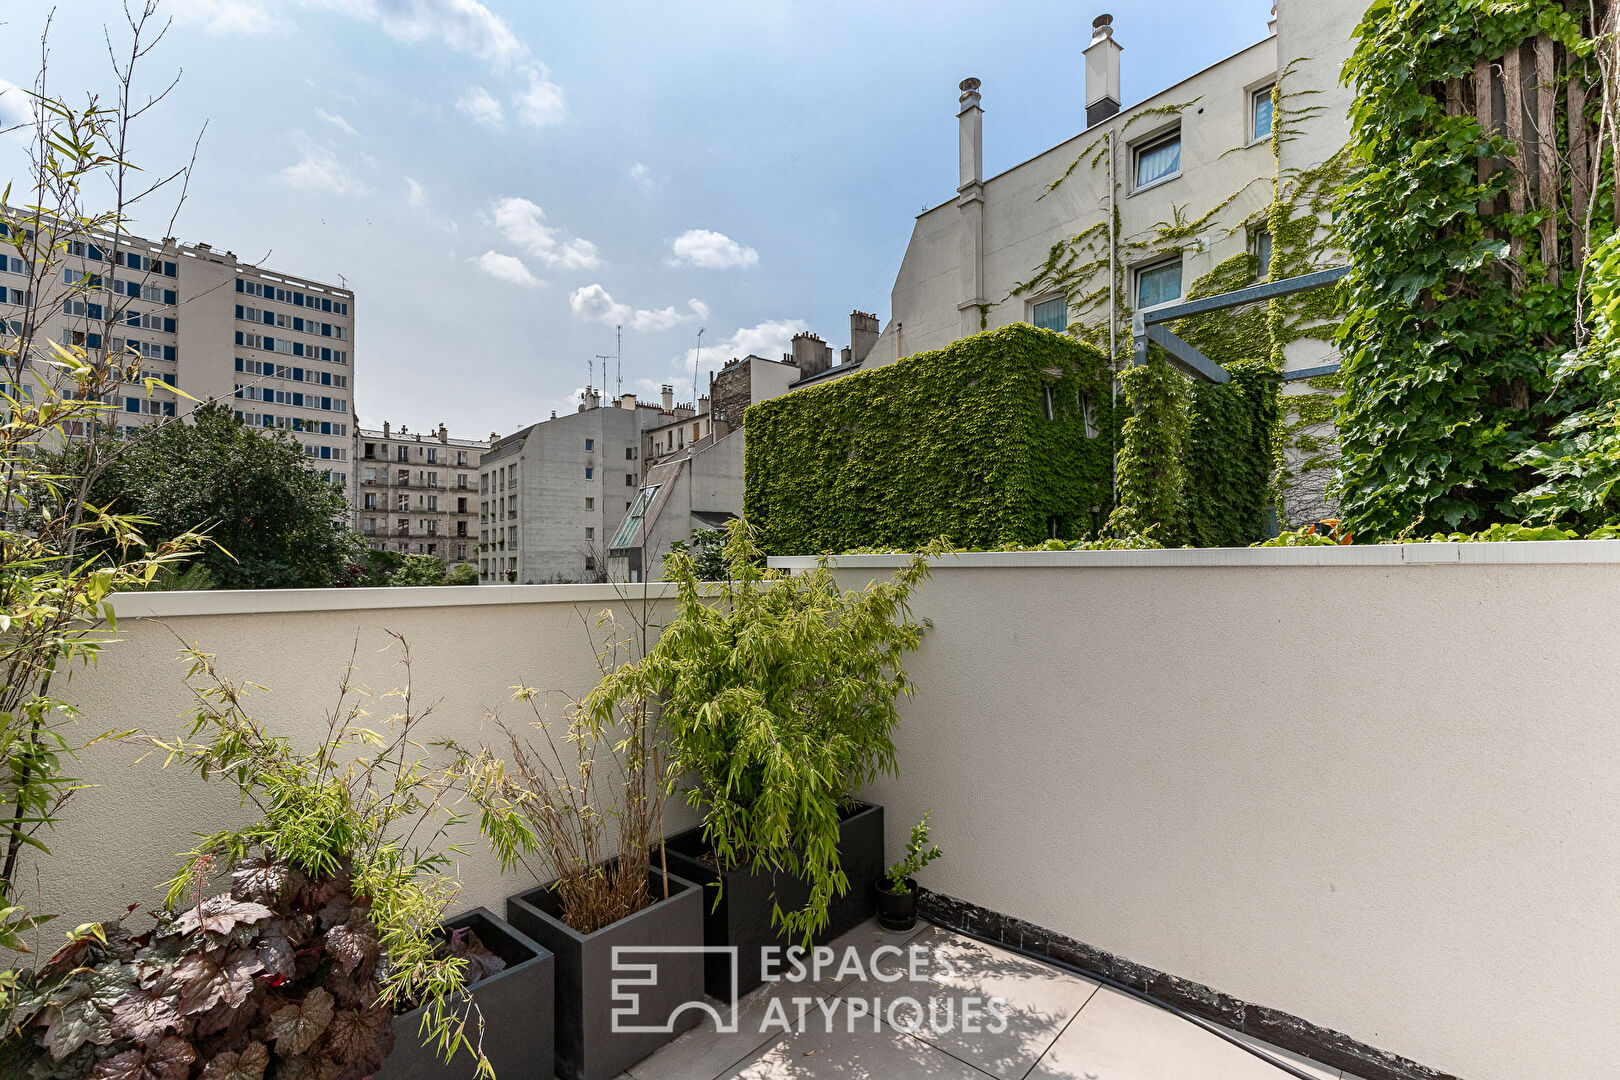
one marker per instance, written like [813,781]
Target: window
[1156,285]
[590,444]
[433,456]
[1260,113]
[590,533]
[1158,160]
[589,472]
[629,453]
[632,522]
[629,479]
[590,503]
[1262,251]
[1051,314]
[1048,408]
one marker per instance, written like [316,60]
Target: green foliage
[462,574]
[1452,309]
[418,570]
[778,696]
[362,807]
[276,523]
[953,443]
[919,853]
[1196,459]
[707,548]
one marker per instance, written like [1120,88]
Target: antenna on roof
[618,360]
[697,362]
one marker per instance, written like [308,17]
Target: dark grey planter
[590,1044]
[737,903]
[515,1002]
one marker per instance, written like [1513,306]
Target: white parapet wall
[1375,788]
[469,646]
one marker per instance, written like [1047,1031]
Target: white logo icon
[627,1001]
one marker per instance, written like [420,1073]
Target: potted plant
[332,923]
[777,696]
[582,813]
[897,892]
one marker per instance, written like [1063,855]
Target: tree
[418,570]
[277,524]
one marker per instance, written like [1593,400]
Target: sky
[502,182]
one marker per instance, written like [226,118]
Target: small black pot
[896,911]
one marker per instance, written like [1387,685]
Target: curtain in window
[1157,162]
[1160,285]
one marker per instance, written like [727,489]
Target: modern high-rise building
[278,349]
[552,494]
[418,491]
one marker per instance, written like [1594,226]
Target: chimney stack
[811,355]
[666,399]
[1271,23]
[970,119]
[863,334]
[385,429]
[444,434]
[703,405]
[1102,71]
[627,401]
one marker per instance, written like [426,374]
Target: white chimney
[1271,23]
[667,397]
[1102,71]
[971,144]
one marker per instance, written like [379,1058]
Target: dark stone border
[1269,1025]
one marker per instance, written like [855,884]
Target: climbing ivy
[954,443]
[1463,290]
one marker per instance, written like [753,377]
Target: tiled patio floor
[1058,1026]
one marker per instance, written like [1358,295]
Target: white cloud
[643,178]
[507,268]
[227,16]
[593,303]
[523,223]
[415,193]
[17,109]
[338,122]
[320,171]
[466,26]
[541,103]
[769,339]
[481,105]
[710,250]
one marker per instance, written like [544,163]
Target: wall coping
[150,605]
[1524,552]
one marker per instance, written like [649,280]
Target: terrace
[1271,788]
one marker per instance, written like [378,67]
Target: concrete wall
[470,645]
[1377,793]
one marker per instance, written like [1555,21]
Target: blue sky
[500,181]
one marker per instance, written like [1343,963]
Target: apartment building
[698,487]
[278,348]
[418,492]
[551,494]
[1186,174]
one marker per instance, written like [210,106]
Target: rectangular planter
[742,917]
[590,1044]
[515,1002]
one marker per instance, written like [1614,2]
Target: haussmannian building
[418,492]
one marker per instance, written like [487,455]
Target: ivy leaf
[249,1064]
[143,1016]
[218,914]
[296,1027]
[204,981]
[170,1059]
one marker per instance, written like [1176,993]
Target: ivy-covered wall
[954,443]
[1483,182]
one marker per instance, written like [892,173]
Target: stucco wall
[1379,797]
[469,647]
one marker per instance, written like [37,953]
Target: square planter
[591,1043]
[515,1001]
[742,917]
